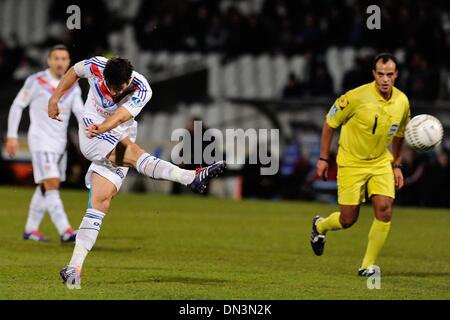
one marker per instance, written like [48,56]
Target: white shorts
[48,164]
[97,149]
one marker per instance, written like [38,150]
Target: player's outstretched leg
[102,192]
[203,175]
[35,215]
[196,180]
[335,221]
[129,154]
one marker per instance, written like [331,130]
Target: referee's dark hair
[384,57]
[58,47]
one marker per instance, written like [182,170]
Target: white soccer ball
[424,132]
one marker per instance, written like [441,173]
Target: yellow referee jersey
[369,123]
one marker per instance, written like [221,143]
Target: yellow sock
[377,236]
[330,223]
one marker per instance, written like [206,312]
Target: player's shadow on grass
[421,274]
[114,249]
[177,279]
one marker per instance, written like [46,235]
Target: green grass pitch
[189,247]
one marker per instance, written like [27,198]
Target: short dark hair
[58,47]
[384,57]
[117,71]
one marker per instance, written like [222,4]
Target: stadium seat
[179,59]
[247,77]
[130,45]
[298,66]
[281,72]
[265,87]
[230,80]
[214,75]
[348,58]
[333,64]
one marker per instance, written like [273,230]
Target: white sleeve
[83,69]
[77,105]
[140,97]
[21,101]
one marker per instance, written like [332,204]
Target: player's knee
[51,184]
[347,221]
[101,202]
[349,216]
[132,153]
[384,212]
[136,150]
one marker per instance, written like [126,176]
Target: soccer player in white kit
[107,138]
[47,141]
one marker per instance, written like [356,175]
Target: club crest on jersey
[393,129]
[342,102]
[107,103]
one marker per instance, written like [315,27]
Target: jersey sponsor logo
[393,129]
[101,110]
[333,111]
[120,173]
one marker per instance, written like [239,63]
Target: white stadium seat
[246,71]
[298,66]
[281,72]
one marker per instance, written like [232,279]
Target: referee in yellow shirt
[371,117]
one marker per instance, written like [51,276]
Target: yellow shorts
[354,181]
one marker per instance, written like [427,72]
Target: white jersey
[100,105]
[44,133]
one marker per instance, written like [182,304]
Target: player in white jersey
[47,142]
[107,138]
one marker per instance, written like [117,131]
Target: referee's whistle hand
[398,176]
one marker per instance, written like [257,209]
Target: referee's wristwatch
[397,166]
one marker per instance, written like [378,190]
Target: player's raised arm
[69,79]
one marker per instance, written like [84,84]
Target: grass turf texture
[161,247]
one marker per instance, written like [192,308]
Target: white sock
[86,236]
[159,169]
[36,211]
[55,208]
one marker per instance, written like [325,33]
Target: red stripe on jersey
[46,85]
[103,89]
